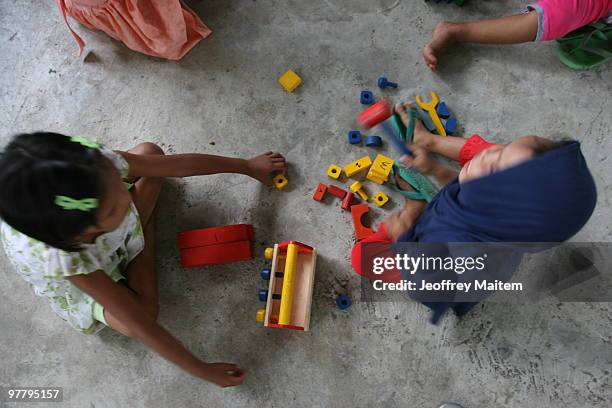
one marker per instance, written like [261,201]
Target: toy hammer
[378,114]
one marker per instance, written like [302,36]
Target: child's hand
[420,160]
[260,167]
[224,374]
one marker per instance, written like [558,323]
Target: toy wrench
[431,109]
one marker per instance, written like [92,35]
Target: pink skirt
[161,28]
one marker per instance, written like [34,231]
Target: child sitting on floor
[530,190]
[544,21]
[78,225]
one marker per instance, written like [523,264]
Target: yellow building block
[280,181]
[260,315]
[380,169]
[358,166]
[334,171]
[290,80]
[269,253]
[380,199]
[356,187]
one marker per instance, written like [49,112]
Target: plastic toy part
[343,302]
[354,137]
[334,171]
[451,126]
[358,166]
[218,245]
[290,80]
[265,274]
[373,141]
[260,315]
[379,172]
[366,98]
[374,115]
[336,191]
[443,111]
[356,187]
[263,295]
[385,83]
[280,181]
[430,107]
[357,212]
[269,253]
[380,199]
[348,201]
[284,316]
[320,192]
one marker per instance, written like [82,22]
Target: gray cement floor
[223,98]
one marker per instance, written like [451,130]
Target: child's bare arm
[421,161]
[195,164]
[123,305]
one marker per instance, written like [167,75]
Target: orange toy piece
[217,245]
[357,212]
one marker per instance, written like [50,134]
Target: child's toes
[430,57]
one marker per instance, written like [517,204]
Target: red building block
[320,192]
[336,191]
[217,254]
[361,231]
[348,201]
[216,235]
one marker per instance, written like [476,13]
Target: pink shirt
[559,17]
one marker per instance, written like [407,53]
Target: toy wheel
[265,274]
[343,302]
[269,253]
[263,295]
[260,315]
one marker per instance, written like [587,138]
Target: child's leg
[513,29]
[140,273]
[445,146]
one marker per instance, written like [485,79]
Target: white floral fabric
[45,267]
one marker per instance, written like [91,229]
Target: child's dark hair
[37,167]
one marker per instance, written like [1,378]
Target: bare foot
[442,37]
[422,137]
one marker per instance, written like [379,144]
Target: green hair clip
[84,142]
[83,204]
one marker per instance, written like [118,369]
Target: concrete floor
[223,98]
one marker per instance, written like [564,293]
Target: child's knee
[148,148]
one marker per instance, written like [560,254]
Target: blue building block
[263,295]
[443,111]
[265,274]
[450,125]
[367,97]
[343,302]
[354,137]
[385,83]
[373,141]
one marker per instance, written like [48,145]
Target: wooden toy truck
[289,294]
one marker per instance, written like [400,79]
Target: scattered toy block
[366,98]
[265,274]
[320,192]
[357,166]
[260,315]
[380,169]
[354,137]
[269,253]
[216,254]
[374,115]
[280,181]
[443,111]
[373,141]
[348,201]
[385,83]
[334,171]
[357,212]
[343,302]
[356,187]
[380,199]
[215,235]
[290,80]
[450,125]
[336,191]
[263,295]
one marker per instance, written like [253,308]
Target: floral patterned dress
[46,268]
